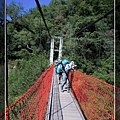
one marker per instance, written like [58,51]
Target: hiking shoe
[68,91]
[66,87]
[62,90]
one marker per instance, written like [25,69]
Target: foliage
[92,50]
[2,43]
[1,31]
[2,53]
[24,73]
[2,91]
[117,44]
[14,10]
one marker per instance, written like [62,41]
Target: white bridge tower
[52,48]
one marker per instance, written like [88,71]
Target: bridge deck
[62,105]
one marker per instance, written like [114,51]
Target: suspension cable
[102,23]
[105,15]
[40,49]
[40,10]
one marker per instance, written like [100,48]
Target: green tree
[14,11]
[92,49]
[2,54]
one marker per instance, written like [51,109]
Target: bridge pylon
[52,48]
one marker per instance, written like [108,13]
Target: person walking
[59,71]
[66,68]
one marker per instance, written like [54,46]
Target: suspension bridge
[88,99]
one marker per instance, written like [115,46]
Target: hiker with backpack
[58,70]
[65,67]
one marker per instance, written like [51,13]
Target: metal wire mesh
[33,104]
[95,97]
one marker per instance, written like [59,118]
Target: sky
[28,4]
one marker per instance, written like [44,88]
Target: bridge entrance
[56,48]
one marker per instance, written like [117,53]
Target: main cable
[40,10]
[82,29]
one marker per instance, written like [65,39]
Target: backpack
[64,62]
[59,69]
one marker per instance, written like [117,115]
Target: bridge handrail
[27,105]
[95,97]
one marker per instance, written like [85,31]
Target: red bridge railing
[33,104]
[95,97]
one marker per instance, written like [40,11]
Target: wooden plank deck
[62,105]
